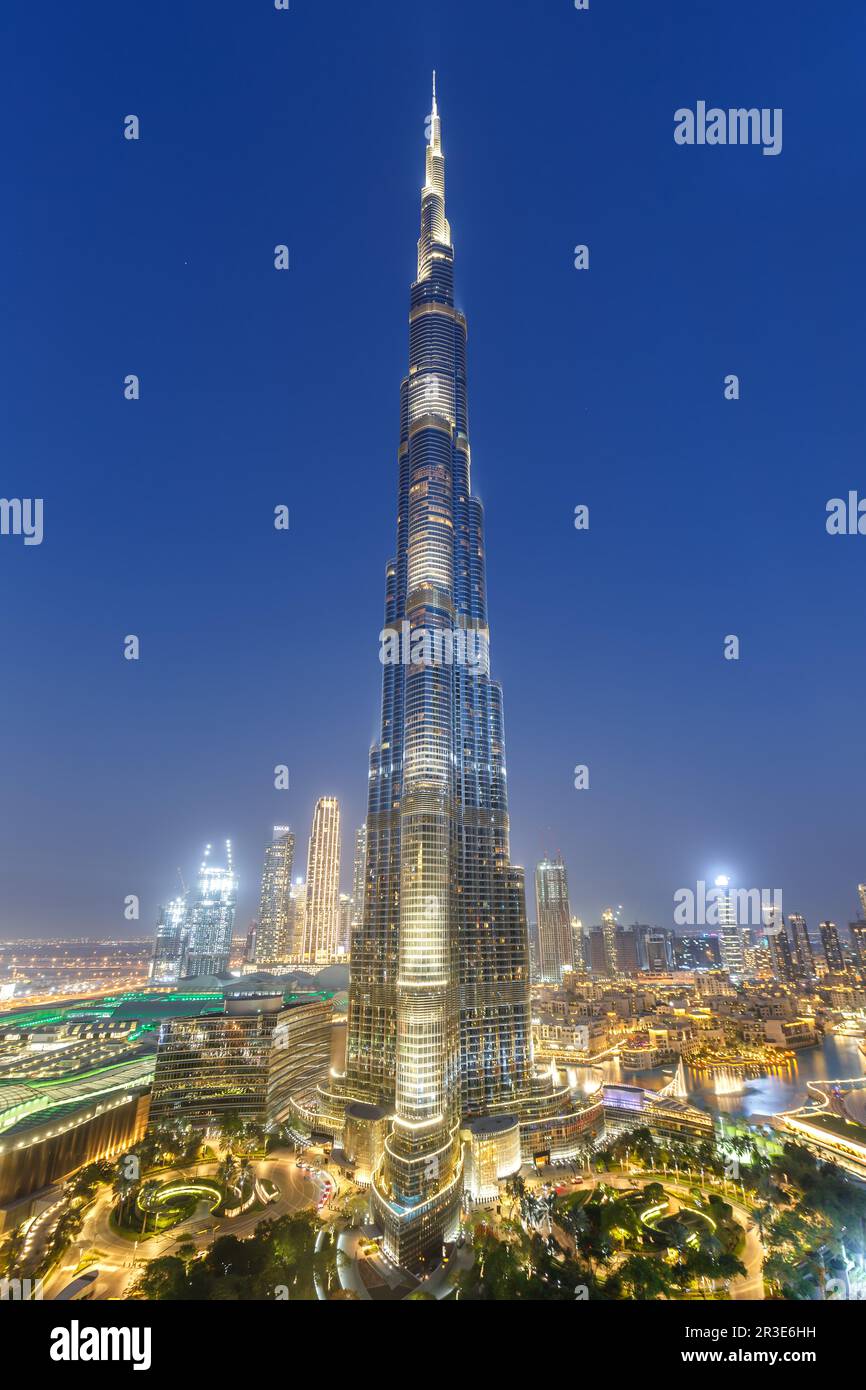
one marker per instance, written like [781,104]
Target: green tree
[644,1277]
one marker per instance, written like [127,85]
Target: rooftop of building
[492,1124]
[360,1110]
[189,998]
[35,1105]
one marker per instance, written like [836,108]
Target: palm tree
[231,1128]
[124,1190]
[515,1186]
[11,1250]
[227,1168]
[355,1207]
[763,1214]
[245,1176]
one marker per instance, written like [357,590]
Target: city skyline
[675,926]
[527,485]
[726,922]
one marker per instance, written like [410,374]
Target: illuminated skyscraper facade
[273,936]
[344,925]
[555,937]
[804,957]
[212,918]
[439,1016]
[731,946]
[300,1054]
[297,915]
[781,957]
[359,872]
[608,936]
[208,1067]
[171,929]
[658,949]
[321,912]
[858,941]
[832,946]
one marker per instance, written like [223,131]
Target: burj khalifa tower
[439,1028]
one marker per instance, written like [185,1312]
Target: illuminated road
[120,1260]
[349,1242]
[750,1286]
[389,1281]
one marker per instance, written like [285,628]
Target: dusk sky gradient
[603,387]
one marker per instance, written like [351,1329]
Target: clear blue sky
[259,388]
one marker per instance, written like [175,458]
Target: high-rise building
[642,931]
[439,1023]
[659,949]
[627,951]
[861,893]
[597,957]
[578,954]
[781,957]
[297,913]
[534,959]
[759,960]
[798,933]
[344,924]
[608,934]
[171,929]
[321,913]
[858,940]
[273,936]
[359,871]
[211,918]
[217,1065]
[731,944]
[300,1055]
[555,939]
[832,946]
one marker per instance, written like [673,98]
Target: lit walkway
[749,1286]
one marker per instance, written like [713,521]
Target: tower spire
[434,224]
[434,125]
